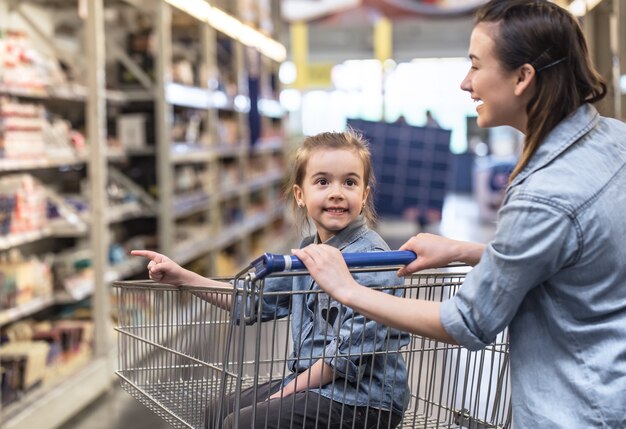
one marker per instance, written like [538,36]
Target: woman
[555,272]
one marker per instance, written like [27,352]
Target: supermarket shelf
[232,191]
[73,93]
[26,309]
[79,293]
[128,268]
[195,97]
[7,165]
[189,250]
[116,272]
[265,180]
[122,212]
[190,203]
[190,153]
[14,240]
[143,151]
[63,229]
[230,151]
[47,408]
[268,145]
[204,243]
[238,231]
[250,186]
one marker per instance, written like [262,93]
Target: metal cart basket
[182,350]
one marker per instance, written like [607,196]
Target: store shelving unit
[90,372]
[235,206]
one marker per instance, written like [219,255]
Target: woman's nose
[466,84]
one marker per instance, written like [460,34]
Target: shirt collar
[344,237]
[564,135]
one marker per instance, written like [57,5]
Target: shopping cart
[180,354]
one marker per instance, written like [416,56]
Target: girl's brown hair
[348,140]
[549,38]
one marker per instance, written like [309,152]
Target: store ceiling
[342,29]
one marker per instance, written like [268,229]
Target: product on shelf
[27,132]
[39,353]
[22,280]
[30,207]
[21,66]
[23,366]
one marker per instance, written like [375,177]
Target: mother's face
[491,86]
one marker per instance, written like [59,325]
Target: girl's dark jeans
[300,410]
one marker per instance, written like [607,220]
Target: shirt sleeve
[350,352]
[535,239]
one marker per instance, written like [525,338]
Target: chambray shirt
[556,274]
[322,327]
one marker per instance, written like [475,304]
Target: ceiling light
[232,27]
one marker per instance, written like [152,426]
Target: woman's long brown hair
[549,38]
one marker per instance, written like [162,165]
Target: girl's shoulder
[368,241]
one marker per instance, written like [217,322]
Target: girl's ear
[298,195]
[525,77]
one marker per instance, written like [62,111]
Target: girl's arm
[329,270]
[318,375]
[163,270]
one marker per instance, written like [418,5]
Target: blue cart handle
[271,263]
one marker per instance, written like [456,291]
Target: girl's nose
[335,192]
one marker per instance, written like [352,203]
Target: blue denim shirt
[556,274]
[322,327]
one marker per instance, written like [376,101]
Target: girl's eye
[322,181]
[350,182]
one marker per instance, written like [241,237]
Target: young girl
[337,379]
[555,273]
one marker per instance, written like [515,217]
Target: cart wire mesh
[182,355]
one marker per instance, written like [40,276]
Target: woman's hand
[435,251]
[162,269]
[327,266]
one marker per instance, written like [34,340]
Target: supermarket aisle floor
[118,410]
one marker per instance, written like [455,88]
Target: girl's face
[333,190]
[495,89]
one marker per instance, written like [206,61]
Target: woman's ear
[525,78]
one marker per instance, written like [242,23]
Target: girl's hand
[326,265]
[282,393]
[162,269]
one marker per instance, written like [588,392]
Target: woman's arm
[318,375]
[329,270]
